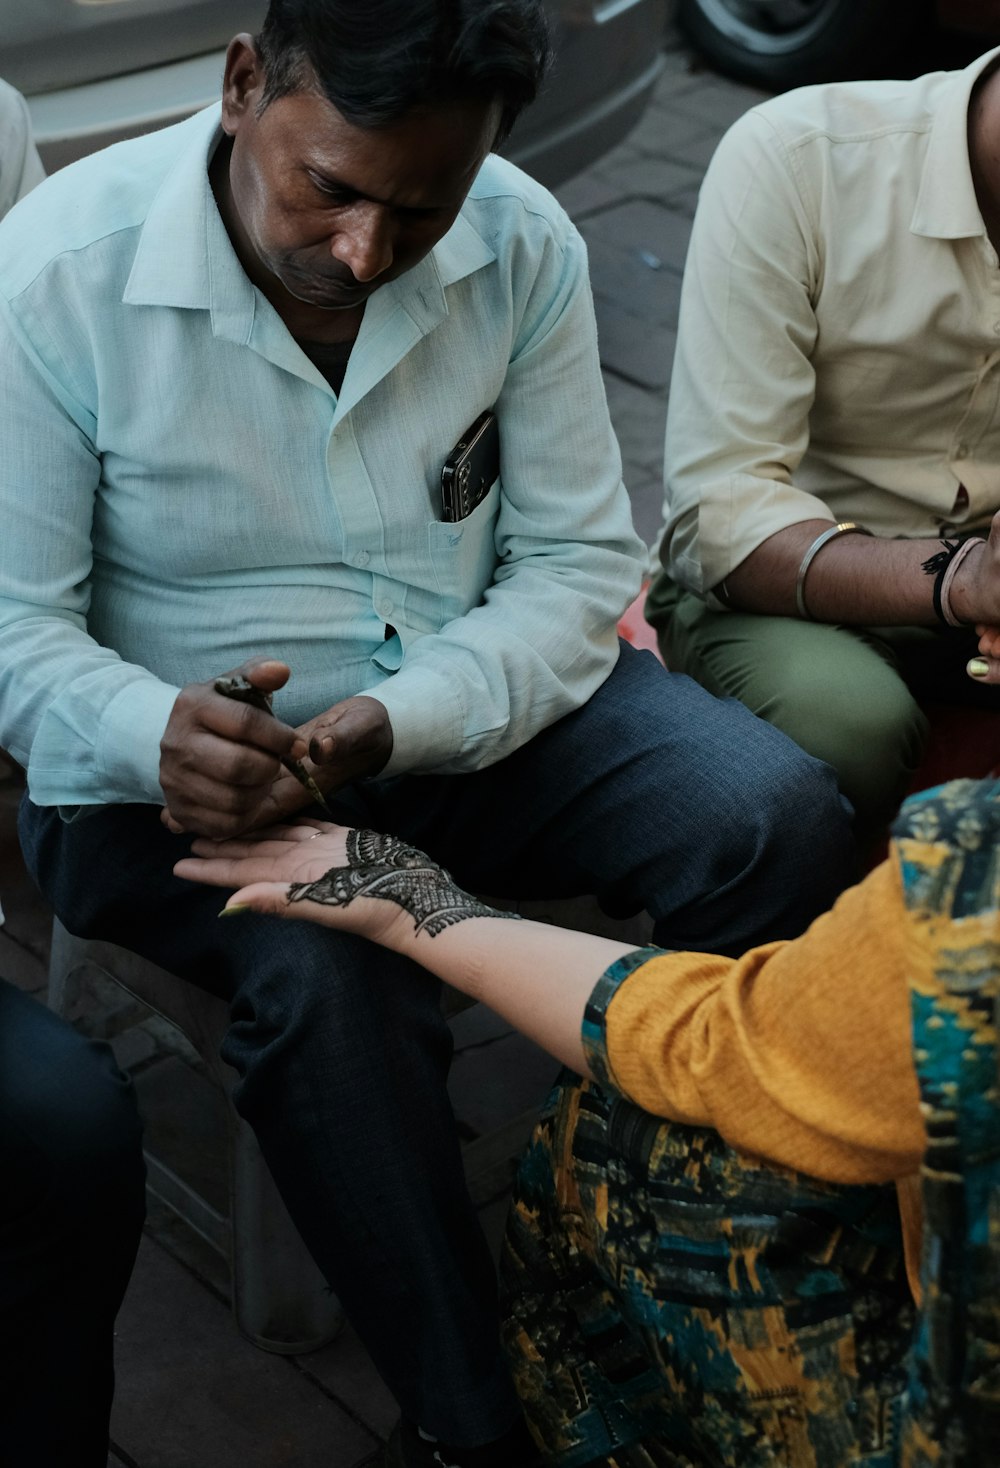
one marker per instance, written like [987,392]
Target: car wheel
[788,43]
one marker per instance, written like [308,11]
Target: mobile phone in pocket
[471,468]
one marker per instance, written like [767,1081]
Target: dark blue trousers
[71,1211]
[654,795]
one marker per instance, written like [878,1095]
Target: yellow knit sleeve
[799,1052]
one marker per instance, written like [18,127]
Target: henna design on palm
[388,868]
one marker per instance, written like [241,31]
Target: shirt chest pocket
[463,555]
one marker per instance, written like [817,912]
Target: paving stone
[639,416]
[197,1255]
[499,1077]
[493,1222]
[683,137]
[645,230]
[669,131]
[191,1391]
[586,193]
[622,278]
[645,490]
[652,178]
[171,1040]
[476,1026]
[715,102]
[28,918]
[21,967]
[185,1126]
[133,1047]
[641,355]
[344,1370]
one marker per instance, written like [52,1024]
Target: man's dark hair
[377,60]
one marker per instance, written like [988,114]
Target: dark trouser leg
[70,1221]
[344,1057]
[655,796]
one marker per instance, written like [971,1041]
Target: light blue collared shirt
[181,489]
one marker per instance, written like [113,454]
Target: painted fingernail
[235,910]
[977,667]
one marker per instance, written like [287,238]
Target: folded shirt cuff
[594,1032]
[426,720]
[128,741]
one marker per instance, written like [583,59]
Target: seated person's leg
[835,690]
[343,1055]
[70,1221]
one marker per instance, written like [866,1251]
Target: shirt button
[362,558]
[996,328]
[962,451]
[385,607]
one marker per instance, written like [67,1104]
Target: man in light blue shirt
[233,362]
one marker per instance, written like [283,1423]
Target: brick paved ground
[191,1392]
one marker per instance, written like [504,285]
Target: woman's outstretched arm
[799,1051]
[536,976]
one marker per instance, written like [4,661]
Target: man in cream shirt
[838,372]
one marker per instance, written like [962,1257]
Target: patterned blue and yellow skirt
[672,1303]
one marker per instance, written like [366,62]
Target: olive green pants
[849,695]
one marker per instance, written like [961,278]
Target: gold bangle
[845,527]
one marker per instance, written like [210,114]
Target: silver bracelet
[845,527]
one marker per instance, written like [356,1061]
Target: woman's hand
[359,881]
[273,870]
[537,976]
[986,667]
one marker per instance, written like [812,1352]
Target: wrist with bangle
[843,527]
[943,566]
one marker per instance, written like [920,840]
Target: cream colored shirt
[839,347]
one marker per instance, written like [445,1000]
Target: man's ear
[242,82]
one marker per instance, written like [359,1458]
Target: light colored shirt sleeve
[799,1052]
[54,642]
[84,723]
[743,381]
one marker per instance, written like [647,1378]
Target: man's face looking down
[325,211]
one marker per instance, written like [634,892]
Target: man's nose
[364,241]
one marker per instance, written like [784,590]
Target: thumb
[264,897]
[336,736]
[267,674]
[984,669]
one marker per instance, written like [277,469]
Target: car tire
[789,43]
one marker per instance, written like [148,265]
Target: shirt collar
[946,206]
[185,258]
